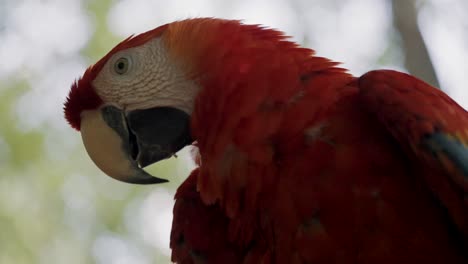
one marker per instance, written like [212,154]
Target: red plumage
[303,163]
[300,162]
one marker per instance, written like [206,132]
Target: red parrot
[298,160]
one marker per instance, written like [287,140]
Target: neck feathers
[254,83]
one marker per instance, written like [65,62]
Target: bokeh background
[57,207]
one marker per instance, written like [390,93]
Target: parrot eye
[121,65]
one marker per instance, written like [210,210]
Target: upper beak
[121,144]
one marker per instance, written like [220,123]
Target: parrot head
[133,106]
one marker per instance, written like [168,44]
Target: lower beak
[122,144]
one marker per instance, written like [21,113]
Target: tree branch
[417,59]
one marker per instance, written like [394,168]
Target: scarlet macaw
[298,161]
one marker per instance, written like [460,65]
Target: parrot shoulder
[431,127]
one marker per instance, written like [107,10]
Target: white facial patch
[151,79]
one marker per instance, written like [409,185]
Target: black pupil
[121,65]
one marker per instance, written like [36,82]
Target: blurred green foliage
[54,207]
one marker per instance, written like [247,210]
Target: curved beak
[122,144]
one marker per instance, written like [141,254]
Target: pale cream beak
[109,147]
